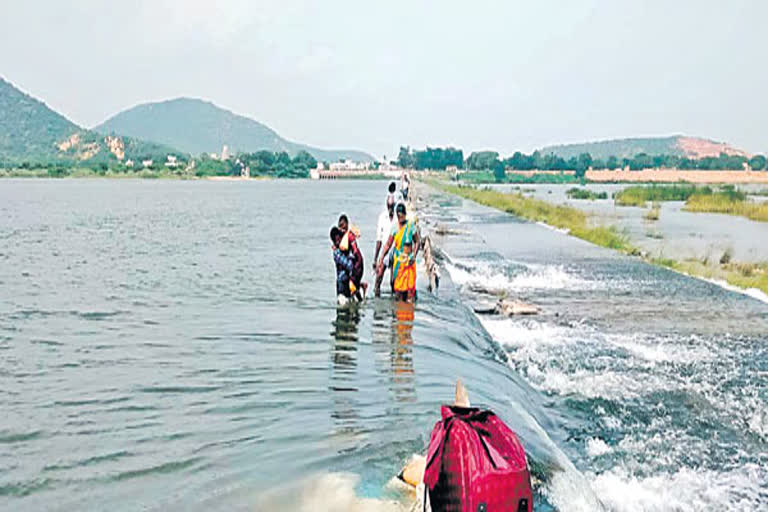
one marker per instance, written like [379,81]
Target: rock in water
[509,307]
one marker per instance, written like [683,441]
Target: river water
[676,234]
[176,345]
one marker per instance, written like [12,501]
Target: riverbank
[744,275]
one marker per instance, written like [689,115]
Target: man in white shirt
[383,229]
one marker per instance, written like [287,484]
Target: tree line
[260,163]
[440,159]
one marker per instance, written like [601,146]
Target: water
[676,234]
[176,344]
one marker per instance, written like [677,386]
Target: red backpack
[475,463]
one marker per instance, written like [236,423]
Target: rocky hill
[691,147]
[32,132]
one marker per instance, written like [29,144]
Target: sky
[506,75]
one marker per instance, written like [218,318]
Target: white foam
[331,492]
[597,447]
[686,490]
[750,292]
[537,277]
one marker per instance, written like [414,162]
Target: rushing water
[176,345]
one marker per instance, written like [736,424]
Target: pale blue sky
[373,75]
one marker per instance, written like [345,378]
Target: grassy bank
[742,275]
[728,204]
[559,216]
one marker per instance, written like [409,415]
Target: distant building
[146,163]
[171,161]
[129,163]
[347,165]
[224,152]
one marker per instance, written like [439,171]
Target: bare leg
[377,284]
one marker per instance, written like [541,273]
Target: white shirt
[384,226]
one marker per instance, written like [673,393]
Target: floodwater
[676,234]
[176,345]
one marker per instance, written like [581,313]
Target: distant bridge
[317,174]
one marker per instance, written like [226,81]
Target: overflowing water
[177,345]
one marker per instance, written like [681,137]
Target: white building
[146,163]
[171,161]
[348,166]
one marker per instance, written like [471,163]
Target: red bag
[475,463]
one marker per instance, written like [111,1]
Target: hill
[32,132]
[196,126]
[678,145]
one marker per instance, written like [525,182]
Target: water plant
[640,195]
[583,193]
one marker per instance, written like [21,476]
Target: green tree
[405,158]
[482,160]
[498,172]
[757,162]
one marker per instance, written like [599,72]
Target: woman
[406,242]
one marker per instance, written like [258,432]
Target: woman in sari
[405,241]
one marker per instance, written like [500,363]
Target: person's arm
[376,253]
[389,243]
[416,245]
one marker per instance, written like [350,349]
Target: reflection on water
[393,343]
[344,371]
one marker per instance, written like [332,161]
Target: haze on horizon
[504,75]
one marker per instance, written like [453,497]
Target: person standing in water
[405,183]
[387,221]
[344,267]
[349,243]
[405,241]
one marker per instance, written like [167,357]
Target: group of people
[397,244]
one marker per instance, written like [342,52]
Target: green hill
[28,128]
[196,126]
[32,132]
[678,145]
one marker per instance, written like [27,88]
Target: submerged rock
[506,307]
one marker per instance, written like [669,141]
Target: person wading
[386,223]
[349,243]
[405,241]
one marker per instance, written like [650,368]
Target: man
[405,241]
[384,226]
[405,182]
[395,194]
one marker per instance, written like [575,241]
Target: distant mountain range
[30,131]
[679,145]
[196,126]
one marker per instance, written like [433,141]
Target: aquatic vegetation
[730,202]
[571,219]
[654,213]
[583,193]
[640,195]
